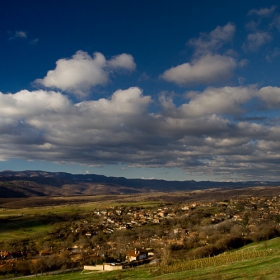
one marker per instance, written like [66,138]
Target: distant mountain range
[22,184]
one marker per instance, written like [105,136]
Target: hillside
[40,183]
[255,261]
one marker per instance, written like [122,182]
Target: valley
[42,234]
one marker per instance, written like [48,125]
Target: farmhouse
[136,255]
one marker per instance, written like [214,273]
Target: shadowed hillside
[40,183]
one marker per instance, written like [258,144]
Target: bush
[205,251]
[230,242]
[264,234]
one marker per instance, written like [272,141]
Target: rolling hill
[20,184]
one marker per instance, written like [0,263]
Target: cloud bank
[209,133]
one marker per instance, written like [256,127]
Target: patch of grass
[255,261]
[17,228]
[136,273]
[70,208]
[268,244]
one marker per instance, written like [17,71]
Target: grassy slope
[246,266]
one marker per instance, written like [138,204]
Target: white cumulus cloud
[26,103]
[124,60]
[270,96]
[225,100]
[205,70]
[207,66]
[80,73]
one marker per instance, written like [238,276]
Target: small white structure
[104,267]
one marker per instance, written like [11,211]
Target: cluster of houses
[125,218]
[109,220]
[258,208]
[122,218]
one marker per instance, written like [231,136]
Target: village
[121,236]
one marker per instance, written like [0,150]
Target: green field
[255,261]
[16,228]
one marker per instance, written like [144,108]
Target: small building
[104,267]
[136,255]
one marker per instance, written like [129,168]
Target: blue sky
[175,90]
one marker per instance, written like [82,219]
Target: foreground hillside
[24,184]
[258,261]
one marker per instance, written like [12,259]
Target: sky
[173,90]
